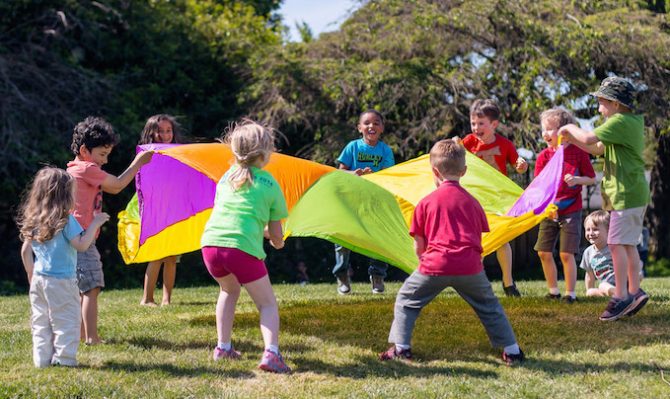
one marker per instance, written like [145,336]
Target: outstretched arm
[113,184]
[583,139]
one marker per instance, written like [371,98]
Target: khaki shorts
[626,226]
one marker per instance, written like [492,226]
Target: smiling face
[371,127]
[483,128]
[164,133]
[595,234]
[550,131]
[97,155]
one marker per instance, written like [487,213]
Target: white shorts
[626,226]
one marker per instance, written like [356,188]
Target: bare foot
[165,303]
[151,304]
[96,341]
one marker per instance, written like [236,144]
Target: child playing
[362,156]
[447,227]
[624,187]
[597,260]
[92,141]
[54,236]
[577,172]
[497,151]
[160,129]
[248,205]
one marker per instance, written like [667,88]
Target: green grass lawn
[332,342]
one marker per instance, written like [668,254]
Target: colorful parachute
[369,215]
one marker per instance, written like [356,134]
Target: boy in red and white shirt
[497,151]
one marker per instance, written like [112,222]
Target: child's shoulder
[79,165]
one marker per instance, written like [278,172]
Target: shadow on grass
[569,368]
[157,343]
[365,367]
[448,329]
[177,371]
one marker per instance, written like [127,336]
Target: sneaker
[225,354]
[377,284]
[392,353]
[552,296]
[512,360]
[343,283]
[569,299]
[274,363]
[639,300]
[511,290]
[616,309]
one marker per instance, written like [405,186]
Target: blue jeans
[376,268]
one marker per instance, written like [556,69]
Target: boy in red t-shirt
[92,141]
[577,172]
[447,227]
[497,151]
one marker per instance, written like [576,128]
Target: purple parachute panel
[543,189]
[174,190]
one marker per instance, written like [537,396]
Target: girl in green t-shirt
[248,206]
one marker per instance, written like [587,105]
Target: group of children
[61,214]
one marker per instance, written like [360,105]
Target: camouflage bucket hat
[616,89]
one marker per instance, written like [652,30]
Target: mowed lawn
[332,343]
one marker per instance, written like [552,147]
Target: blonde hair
[559,115]
[599,218]
[249,141]
[448,157]
[46,205]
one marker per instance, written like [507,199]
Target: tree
[61,60]
[423,62]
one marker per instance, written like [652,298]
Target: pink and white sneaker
[225,354]
[274,363]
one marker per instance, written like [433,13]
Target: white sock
[512,349]
[554,291]
[273,348]
[226,346]
[571,294]
[402,347]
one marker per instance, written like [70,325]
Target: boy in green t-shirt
[620,140]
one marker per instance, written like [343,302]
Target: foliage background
[210,62]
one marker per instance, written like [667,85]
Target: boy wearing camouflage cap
[620,140]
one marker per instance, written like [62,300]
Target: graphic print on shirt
[97,202]
[363,157]
[489,155]
[600,265]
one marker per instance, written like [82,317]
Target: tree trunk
[658,213]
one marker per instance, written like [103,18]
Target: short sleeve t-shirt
[624,185]
[452,222]
[575,162]
[497,154]
[56,257]
[239,217]
[358,155]
[599,262]
[88,195]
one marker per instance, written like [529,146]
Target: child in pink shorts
[249,205]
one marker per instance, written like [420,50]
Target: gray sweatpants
[419,289]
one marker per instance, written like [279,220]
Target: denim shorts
[89,270]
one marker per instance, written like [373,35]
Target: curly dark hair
[93,132]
